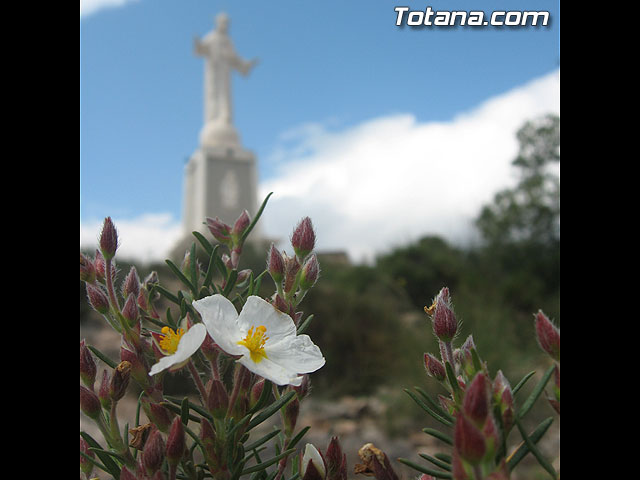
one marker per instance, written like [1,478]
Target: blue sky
[330,73]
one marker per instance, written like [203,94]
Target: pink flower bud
[87,366]
[217,399]
[120,381]
[290,417]
[97,298]
[468,440]
[548,336]
[476,399]
[108,239]
[175,442]
[103,391]
[86,466]
[275,264]
[336,461]
[87,270]
[444,320]
[160,416]
[303,238]
[130,310]
[89,403]
[256,393]
[291,266]
[310,273]
[208,439]
[434,367]
[131,284]
[241,224]
[220,230]
[153,453]
[125,474]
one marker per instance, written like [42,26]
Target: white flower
[312,455]
[179,345]
[263,337]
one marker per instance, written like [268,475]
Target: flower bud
[87,366]
[175,442]
[125,474]
[153,452]
[304,388]
[87,270]
[310,272]
[103,391]
[185,266]
[336,461]
[208,439]
[97,298]
[256,393]
[108,239]
[240,226]
[434,367]
[220,230]
[89,403]
[130,310]
[468,440]
[275,264]
[131,284]
[444,320]
[313,467]
[503,397]
[160,416]
[120,380]
[217,399]
[476,399]
[290,417]
[303,238]
[291,266]
[86,465]
[548,335]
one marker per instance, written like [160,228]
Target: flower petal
[221,319]
[257,311]
[271,371]
[189,344]
[297,354]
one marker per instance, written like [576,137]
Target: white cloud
[144,239]
[88,7]
[378,185]
[392,179]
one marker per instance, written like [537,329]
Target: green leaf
[211,268]
[191,406]
[271,409]
[304,325]
[256,218]
[103,357]
[166,293]
[178,410]
[231,282]
[184,411]
[522,382]
[439,435]
[110,466]
[526,406]
[261,440]
[298,437]
[423,469]
[522,450]
[266,463]
[264,397]
[436,462]
[180,275]
[204,242]
[437,408]
[422,405]
[193,271]
[534,450]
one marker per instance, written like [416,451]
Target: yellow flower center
[170,339]
[254,341]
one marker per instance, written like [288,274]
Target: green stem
[198,382]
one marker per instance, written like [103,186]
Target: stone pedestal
[219,182]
